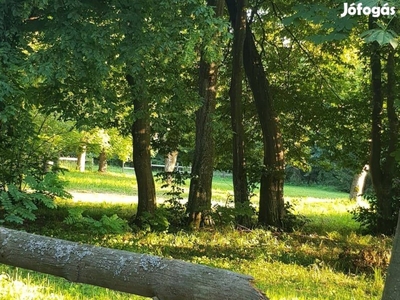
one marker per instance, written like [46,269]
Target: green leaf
[383,37]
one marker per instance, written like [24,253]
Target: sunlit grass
[20,284]
[117,182]
[285,266]
[92,181]
[320,260]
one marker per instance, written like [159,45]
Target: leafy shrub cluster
[172,216]
[106,224]
[370,215]
[27,180]
[172,213]
[18,205]
[339,179]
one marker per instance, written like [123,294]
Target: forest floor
[326,257]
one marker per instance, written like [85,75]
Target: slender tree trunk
[80,163]
[271,209]
[170,160]
[382,166]
[140,274]
[102,161]
[235,93]
[199,202]
[142,156]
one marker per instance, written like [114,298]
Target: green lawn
[115,181]
[327,258]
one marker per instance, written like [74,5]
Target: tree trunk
[142,156]
[271,210]
[235,93]
[170,160]
[391,291]
[357,186]
[140,274]
[102,161]
[382,167]
[199,201]
[80,163]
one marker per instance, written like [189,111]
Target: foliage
[106,224]
[157,221]
[173,208]
[338,178]
[18,205]
[368,216]
[329,261]
[27,179]
[292,221]
[326,251]
[227,214]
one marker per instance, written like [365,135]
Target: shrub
[106,224]
[369,216]
[18,204]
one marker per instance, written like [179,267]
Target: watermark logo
[376,11]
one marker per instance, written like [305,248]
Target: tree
[239,20]
[380,90]
[142,156]
[271,209]
[141,274]
[391,289]
[199,201]
[124,83]
[26,182]
[382,162]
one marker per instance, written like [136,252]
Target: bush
[106,224]
[370,215]
[17,205]
[26,179]
[292,221]
[230,214]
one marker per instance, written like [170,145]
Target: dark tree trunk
[142,156]
[235,93]
[102,161]
[382,164]
[271,209]
[199,201]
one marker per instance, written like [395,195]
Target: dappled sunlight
[325,258]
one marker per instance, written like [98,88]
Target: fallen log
[140,274]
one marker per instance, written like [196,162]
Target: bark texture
[235,93]
[382,163]
[140,274]
[271,210]
[142,156]
[199,201]
[102,161]
[391,290]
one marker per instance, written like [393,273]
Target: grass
[124,183]
[326,258]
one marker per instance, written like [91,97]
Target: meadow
[325,258]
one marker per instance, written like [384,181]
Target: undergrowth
[324,257]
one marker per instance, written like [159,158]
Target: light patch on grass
[314,262]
